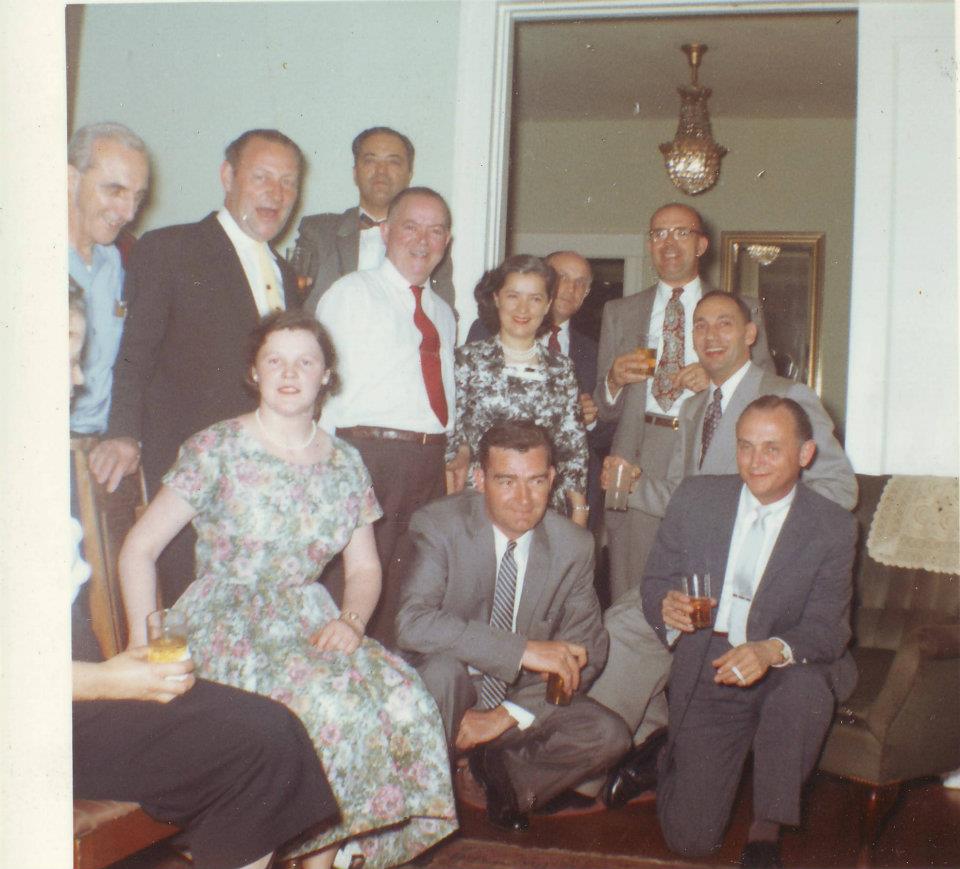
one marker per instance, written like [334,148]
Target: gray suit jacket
[830,474]
[448,583]
[804,594]
[334,240]
[624,323]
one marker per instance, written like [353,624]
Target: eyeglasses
[679,233]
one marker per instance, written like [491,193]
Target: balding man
[332,245]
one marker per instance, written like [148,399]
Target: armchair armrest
[939,641]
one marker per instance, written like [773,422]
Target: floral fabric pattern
[489,391]
[265,530]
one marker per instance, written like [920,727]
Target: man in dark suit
[768,673]
[332,245]
[497,594]
[637,666]
[644,406]
[194,293]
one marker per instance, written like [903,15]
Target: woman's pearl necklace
[275,442]
[520,356]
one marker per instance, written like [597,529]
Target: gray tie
[743,577]
[493,689]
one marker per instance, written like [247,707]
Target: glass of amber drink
[697,586]
[167,637]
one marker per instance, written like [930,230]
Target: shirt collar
[729,386]
[694,287]
[751,504]
[500,541]
[392,274]
[237,236]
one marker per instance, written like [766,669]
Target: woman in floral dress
[513,376]
[273,498]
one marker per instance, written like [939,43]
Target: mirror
[785,271]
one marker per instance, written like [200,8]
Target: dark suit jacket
[334,240]
[449,573]
[183,356]
[804,594]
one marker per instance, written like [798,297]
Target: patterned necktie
[553,343]
[710,422]
[743,578]
[671,359]
[268,275]
[492,689]
[430,357]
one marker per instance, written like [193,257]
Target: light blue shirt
[102,283]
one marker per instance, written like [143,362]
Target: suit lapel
[534,579]
[229,270]
[483,555]
[348,241]
[790,544]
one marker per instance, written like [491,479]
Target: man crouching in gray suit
[498,594]
[767,671]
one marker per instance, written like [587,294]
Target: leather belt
[722,634]
[372,432]
[666,421]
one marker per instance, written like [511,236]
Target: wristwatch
[353,619]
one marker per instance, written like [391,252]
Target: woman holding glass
[513,376]
[273,498]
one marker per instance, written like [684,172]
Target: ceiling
[772,66]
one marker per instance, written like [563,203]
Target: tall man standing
[107,175]
[497,593]
[194,293]
[394,338]
[768,673]
[335,245]
[645,408]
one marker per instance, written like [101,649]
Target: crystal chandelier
[693,158]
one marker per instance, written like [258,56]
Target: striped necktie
[493,689]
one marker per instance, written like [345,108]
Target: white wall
[189,77]
[791,175]
[902,403]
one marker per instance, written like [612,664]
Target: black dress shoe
[487,767]
[636,773]
[565,800]
[761,855]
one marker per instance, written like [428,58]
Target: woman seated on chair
[273,498]
[513,376]
[236,771]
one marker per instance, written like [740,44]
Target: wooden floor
[923,830]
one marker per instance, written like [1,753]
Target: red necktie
[430,358]
[553,343]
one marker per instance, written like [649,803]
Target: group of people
[297,452]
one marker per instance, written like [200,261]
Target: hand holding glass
[697,586]
[167,638]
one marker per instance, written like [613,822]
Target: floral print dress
[265,530]
[489,391]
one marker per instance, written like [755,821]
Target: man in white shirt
[632,683]
[194,293]
[645,407]
[767,674]
[498,593]
[332,245]
[394,339]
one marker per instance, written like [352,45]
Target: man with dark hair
[768,672]
[194,292]
[394,337]
[638,664]
[497,593]
[332,245]
[107,176]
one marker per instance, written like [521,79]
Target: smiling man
[194,293]
[107,175]
[332,245]
[497,593]
[394,338]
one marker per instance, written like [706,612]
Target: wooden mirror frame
[805,330]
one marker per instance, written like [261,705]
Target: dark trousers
[784,717]
[235,770]
[405,477]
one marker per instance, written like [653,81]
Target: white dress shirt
[563,336]
[248,249]
[729,386]
[369,316]
[371,249]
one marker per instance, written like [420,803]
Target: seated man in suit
[767,674]
[637,666]
[194,293]
[497,594]
[332,245]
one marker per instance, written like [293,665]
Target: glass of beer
[301,260]
[167,638]
[618,492]
[647,351]
[697,586]
[556,691]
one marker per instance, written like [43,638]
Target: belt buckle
[423,438]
